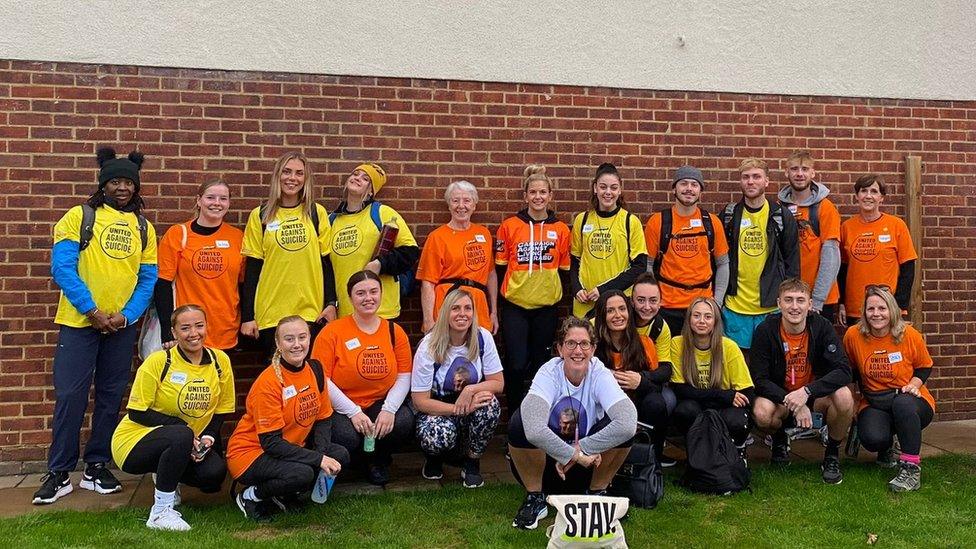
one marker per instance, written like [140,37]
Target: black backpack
[640,479]
[707,230]
[714,465]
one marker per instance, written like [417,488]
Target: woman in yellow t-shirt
[709,372]
[286,242]
[178,402]
[357,226]
[608,248]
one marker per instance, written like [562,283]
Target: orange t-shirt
[458,254]
[650,351]
[796,348]
[686,259]
[873,252]
[292,404]
[206,272]
[884,364]
[363,366]
[810,244]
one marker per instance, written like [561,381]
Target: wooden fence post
[913,209]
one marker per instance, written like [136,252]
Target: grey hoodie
[829,253]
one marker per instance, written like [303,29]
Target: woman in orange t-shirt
[634,361]
[891,364]
[287,403]
[875,248]
[367,360]
[200,261]
[459,255]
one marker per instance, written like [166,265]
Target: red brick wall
[196,124]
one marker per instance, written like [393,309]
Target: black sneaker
[830,470]
[378,475]
[433,468]
[471,473]
[780,449]
[54,485]
[533,510]
[742,453]
[98,478]
[667,462]
[888,458]
[254,510]
[293,503]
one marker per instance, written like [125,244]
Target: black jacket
[783,260]
[825,353]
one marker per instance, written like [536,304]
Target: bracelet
[92,312]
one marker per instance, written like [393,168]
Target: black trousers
[907,417]
[528,335]
[675,319]
[653,410]
[166,452]
[736,419]
[345,435]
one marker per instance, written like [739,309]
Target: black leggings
[166,452]
[345,435]
[528,335]
[274,477]
[908,416]
[675,318]
[653,410]
[736,419]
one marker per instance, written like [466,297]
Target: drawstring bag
[587,521]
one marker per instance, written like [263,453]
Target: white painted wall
[899,48]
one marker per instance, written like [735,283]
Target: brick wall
[196,124]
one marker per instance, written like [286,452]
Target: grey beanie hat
[688,172]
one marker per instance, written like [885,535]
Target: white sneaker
[167,519]
[178,498]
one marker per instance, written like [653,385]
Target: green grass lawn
[788,508]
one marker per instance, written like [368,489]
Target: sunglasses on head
[877,288]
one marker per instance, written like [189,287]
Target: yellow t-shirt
[662,342]
[291,279]
[190,392]
[354,238]
[753,249]
[735,373]
[109,266]
[601,246]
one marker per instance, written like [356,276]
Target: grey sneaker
[909,478]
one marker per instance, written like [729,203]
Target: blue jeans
[84,354]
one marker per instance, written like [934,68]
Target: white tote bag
[587,521]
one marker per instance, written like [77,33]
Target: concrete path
[16,491]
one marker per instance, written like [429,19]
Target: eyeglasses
[572,345]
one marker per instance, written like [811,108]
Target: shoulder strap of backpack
[169,360]
[657,326]
[706,219]
[213,360]
[143,230]
[319,373]
[627,220]
[87,229]
[664,241]
[315,218]
[392,333]
[374,214]
[815,218]
[586,215]
[261,210]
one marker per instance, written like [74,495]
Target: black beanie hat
[112,167]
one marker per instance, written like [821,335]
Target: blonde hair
[689,366]
[896,325]
[202,189]
[440,336]
[274,188]
[276,357]
[752,163]
[535,172]
[803,158]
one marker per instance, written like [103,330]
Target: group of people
[667,320]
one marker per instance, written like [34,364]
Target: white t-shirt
[570,406]
[456,370]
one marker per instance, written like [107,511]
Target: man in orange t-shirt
[799,368]
[819,235]
[684,258]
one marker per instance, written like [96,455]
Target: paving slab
[11,481]
[952,436]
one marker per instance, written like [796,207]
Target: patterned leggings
[439,434]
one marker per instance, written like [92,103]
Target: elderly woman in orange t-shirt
[459,255]
[368,362]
